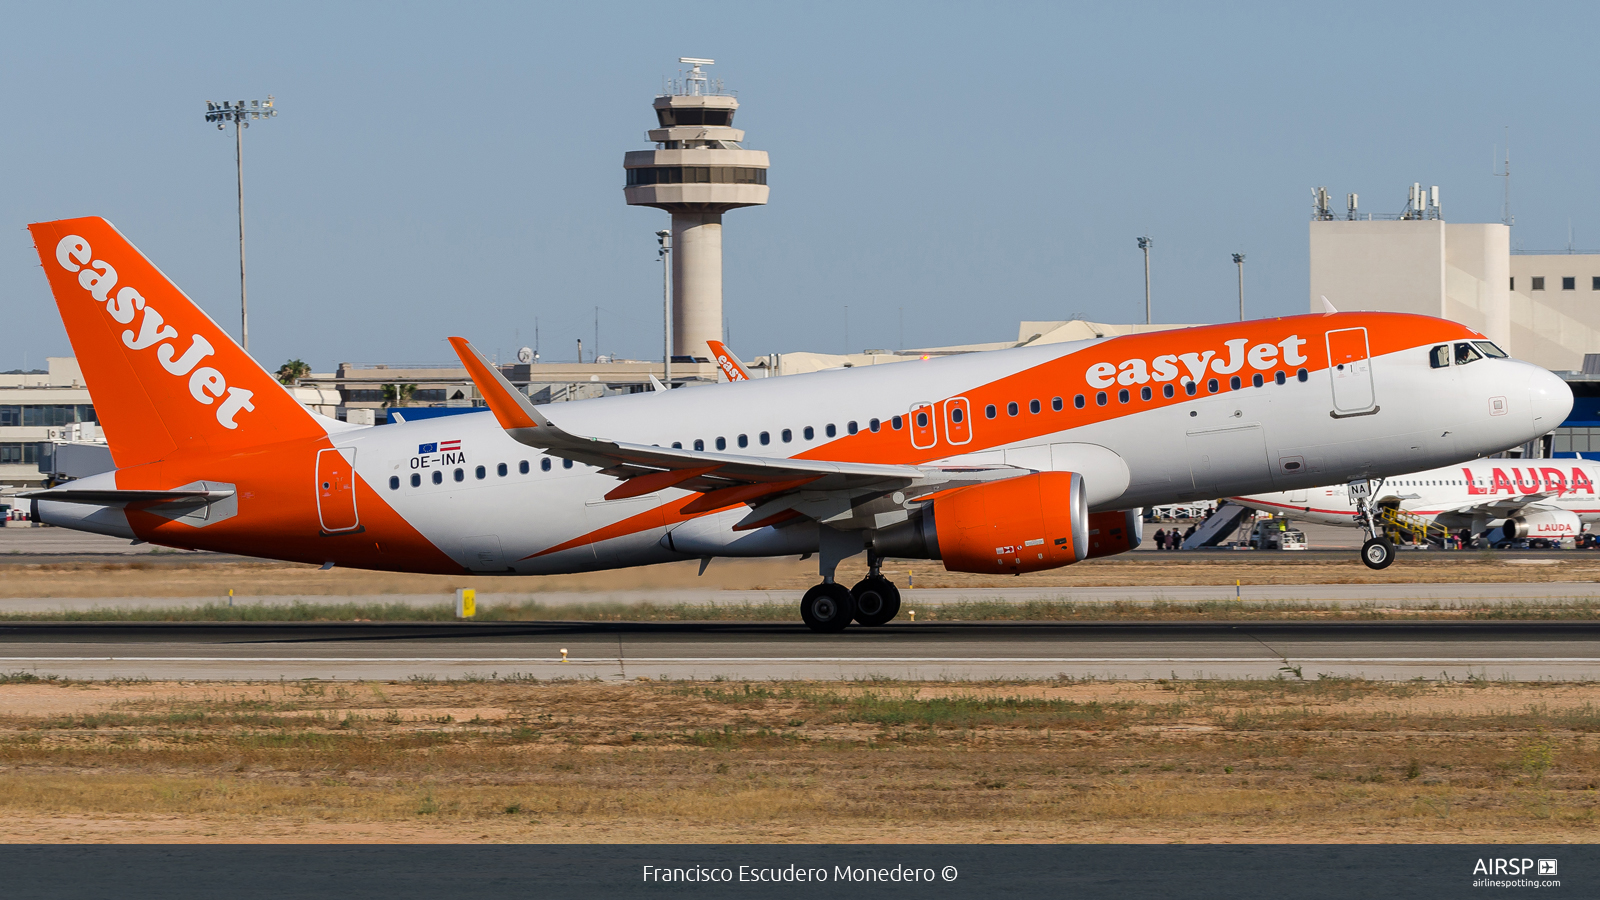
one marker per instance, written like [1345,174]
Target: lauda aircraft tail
[165,379]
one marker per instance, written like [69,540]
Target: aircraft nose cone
[1550,400]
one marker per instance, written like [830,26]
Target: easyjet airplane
[1546,499]
[999,462]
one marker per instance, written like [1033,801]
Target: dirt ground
[685,762]
[181,576]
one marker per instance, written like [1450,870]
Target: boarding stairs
[1403,527]
[1216,529]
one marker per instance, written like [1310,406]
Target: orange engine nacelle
[1116,532]
[1024,524]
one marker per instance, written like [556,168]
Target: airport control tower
[697,172]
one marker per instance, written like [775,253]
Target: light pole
[1238,260]
[664,237]
[240,115]
[1144,244]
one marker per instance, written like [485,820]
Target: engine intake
[1024,524]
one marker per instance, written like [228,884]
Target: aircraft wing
[1505,507]
[778,488]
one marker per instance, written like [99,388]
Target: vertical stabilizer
[165,379]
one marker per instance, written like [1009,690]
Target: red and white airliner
[999,462]
[1546,499]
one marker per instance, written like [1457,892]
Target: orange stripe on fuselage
[277,515]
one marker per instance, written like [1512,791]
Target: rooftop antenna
[1506,218]
[1351,202]
[695,81]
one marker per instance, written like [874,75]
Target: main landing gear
[830,606]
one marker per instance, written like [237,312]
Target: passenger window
[1011,408]
[394,482]
[522,467]
[1033,406]
[722,443]
[765,438]
[809,432]
[830,431]
[1077,402]
[1190,388]
[744,440]
[544,464]
[1144,393]
[501,470]
[1490,349]
[438,477]
[1212,386]
[1439,357]
[896,423]
[566,464]
[850,427]
[1055,404]
[1303,375]
[956,415]
[699,444]
[990,411]
[873,425]
[461,475]
[787,435]
[1100,398]
[416,480]
[481,473]
[1466,353]
[1167,391]
[1279,377]
[1257,380]
[1122,396]
[1234,382]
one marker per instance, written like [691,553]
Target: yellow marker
[1236,594]
[563,654]
[230,596]
[913,615]
[466,603]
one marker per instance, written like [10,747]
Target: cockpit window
[1490,349]
[1439,357]
[1465,354]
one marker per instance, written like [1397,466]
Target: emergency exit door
[1350,367]
[336,490]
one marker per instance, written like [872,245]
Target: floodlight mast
[240,114]
[1238,260]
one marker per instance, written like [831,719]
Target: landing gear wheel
[1377,553]
[877,600]
[827,607]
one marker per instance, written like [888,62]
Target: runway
[1395,594]
[1521,651]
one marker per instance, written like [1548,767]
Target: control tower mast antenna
[697,171]
[1505,211]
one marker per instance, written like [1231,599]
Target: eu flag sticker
[428,448]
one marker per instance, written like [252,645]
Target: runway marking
[550,660]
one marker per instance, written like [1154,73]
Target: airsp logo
[1502,866]
[206,384]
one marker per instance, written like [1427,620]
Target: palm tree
[398,394]
[292,371]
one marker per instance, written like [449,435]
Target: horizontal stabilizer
[127,499]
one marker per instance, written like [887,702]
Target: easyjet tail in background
[1001,462]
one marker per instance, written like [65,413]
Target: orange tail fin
[730,365]
[164,378]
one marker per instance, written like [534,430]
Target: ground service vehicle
[998,462]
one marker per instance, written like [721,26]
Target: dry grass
[1332,760]
[186,575]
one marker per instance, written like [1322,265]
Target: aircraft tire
[1377,553]
[827,608]
[877,600]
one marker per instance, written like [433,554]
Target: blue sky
[456,169]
